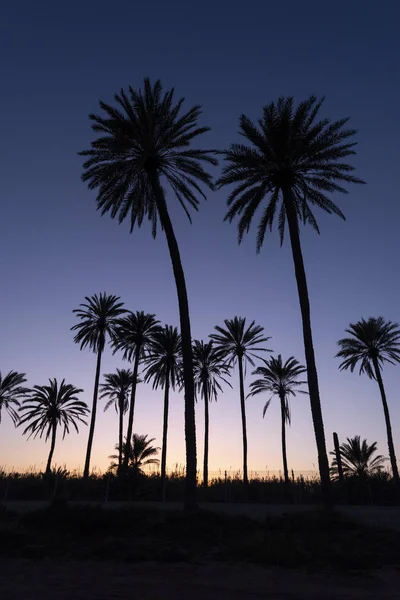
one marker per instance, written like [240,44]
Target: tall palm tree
[116,388]
[210,368]
[50,406]
[372,343]
[163,366]
[98,319]
[140,453]
[12,392]
[240,344]
[133,333]
[143,144]
[358,459]
[292,161]
[279,379]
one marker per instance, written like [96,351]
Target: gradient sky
[58,60]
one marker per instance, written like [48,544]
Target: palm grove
[142,158]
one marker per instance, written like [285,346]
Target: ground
[45,580]
[88,553]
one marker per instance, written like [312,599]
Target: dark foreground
[87,552]
[45,580]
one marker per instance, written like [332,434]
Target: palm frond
[49,405]
[147,134]
[287,149]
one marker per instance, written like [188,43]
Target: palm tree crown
[116,388]
[133,333]
[11,393]
[146,133]
[98,318]
[237,341]
[279,379]
[357,458]
[49,405]
[140,452]
[371,339]
[289,150]
[210,368]
[164,358]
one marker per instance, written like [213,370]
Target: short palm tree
[140,453]
[50,406]
[291,162]
[98,319]
[133,333]
[12,392]
[116,388]
[143,144]
[240,344]
[210,368]
[358,459]
[163,366]
[281,380]
[372,343]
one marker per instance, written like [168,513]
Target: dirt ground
[45,580]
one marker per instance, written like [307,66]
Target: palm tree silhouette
[116,388]
[99,316]
[292,160]
[133,333]
[240,345]
[12,392]
[50,406]
[163,366]
[143,140]
[357,459]
[140,453]
[372,343]
[279,379]
[210,368]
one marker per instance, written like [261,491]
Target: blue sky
[61,58]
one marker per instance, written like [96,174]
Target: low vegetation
[315,541]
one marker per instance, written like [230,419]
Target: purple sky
[58,61]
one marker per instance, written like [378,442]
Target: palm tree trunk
[338,456]
[165,432]
[308,347]
[187,354]
[93,416]
[132,403]
[52,446]
[120,433]
[392,453]
[284,455]
[244,427]
[206,435]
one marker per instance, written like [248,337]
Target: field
[154,549]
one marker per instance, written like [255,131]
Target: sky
[58,61]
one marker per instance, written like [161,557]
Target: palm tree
[116,388]
[164,367]
[99,316]
[295,161]
[133,334]
[240,345]
[210,368]
[357,459]
[50,406]
[279,379]
[11,393]
[145,140]
[140,453]
[372,343]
